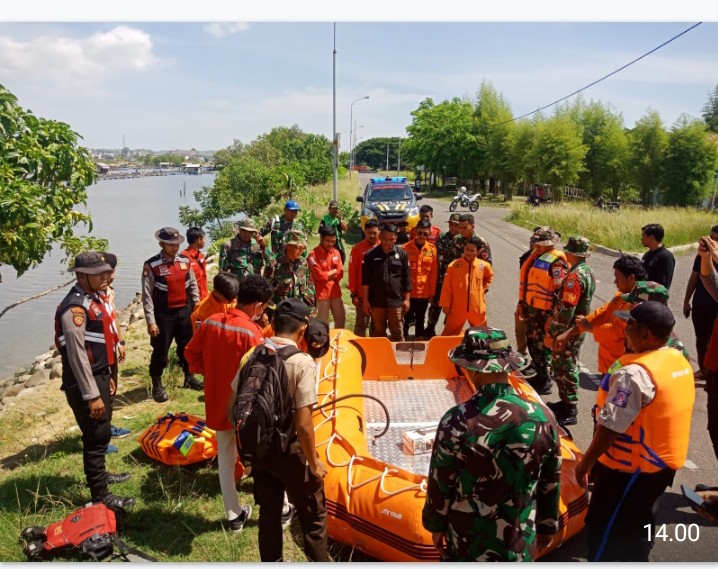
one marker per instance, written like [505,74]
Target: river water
[127,213]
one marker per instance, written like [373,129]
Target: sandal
[705,488]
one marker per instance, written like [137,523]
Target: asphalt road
[508,242]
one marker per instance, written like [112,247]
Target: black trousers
[703,317]
[712,408]
[271,479]
[174,325]
[627,538]
[416,315]
[95,432]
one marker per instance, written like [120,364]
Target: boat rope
[330,399]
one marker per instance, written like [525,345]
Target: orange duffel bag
[179,438]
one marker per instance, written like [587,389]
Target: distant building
[192,169]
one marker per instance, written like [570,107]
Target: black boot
[191,382]
[158,391]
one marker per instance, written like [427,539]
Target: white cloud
[71,63]
[222,29]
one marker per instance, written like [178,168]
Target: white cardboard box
[419,441]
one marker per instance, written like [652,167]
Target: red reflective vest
[172,282]
[658,436]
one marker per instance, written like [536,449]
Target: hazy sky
[202,85]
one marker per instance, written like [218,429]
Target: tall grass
[622,230]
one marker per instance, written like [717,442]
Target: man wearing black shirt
[386,284]
[658,261]
[704,309]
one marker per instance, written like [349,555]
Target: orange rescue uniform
[609,331]
[209,306]
[463,294]
[434,234]
[424,268]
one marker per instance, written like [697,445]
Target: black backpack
[263,414]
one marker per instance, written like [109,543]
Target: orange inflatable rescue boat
[375,487]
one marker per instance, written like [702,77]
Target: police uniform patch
[164,270]
[621,397]
[556,272]
[183,266]
[78,316]
[569,285]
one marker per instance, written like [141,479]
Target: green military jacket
[242,259]
[278,226]
[330,221]
[494,477]
[484,249]
[293,279]
[445,251]
[573,298]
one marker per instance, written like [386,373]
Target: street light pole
[351,130]
[334,112]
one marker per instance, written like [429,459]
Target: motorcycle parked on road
[463,199]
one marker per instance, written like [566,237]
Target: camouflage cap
[647,290]
[295,237]
[545,236]
[486,350]
[455,217]
[578,245]
[247,224]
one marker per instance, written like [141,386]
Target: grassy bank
[621,231]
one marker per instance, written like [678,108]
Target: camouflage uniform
[484,249]
[494,476]
[491,456]
[536,320]
[574,299]
[445,253]
[293,279]
[650,290]
[280,228]
[242,259]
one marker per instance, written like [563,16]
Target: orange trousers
[456,319]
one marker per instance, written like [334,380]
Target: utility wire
[665,43]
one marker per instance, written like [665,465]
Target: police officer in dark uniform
[86,342]
[169,294]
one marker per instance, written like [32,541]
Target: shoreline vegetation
[179,514]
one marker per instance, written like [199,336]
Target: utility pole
[387,158]
[334,99]
[352,133]
[398,160]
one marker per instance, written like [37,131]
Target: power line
[665,43]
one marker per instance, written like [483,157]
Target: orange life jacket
[658,436]
[538,284]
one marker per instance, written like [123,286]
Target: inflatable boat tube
[375,489]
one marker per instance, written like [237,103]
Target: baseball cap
[292,205]
[90,263]
[295,308]
[655,316]
[333,203]
[247,224]
[317,337]
[455,217]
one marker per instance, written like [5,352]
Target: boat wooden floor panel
[412,404]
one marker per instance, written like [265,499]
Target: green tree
[495,134]
[710,111]
[607,146]
[558,151]
[443,138]
[44,175]
[689,164]
[647,144]
[372,152]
